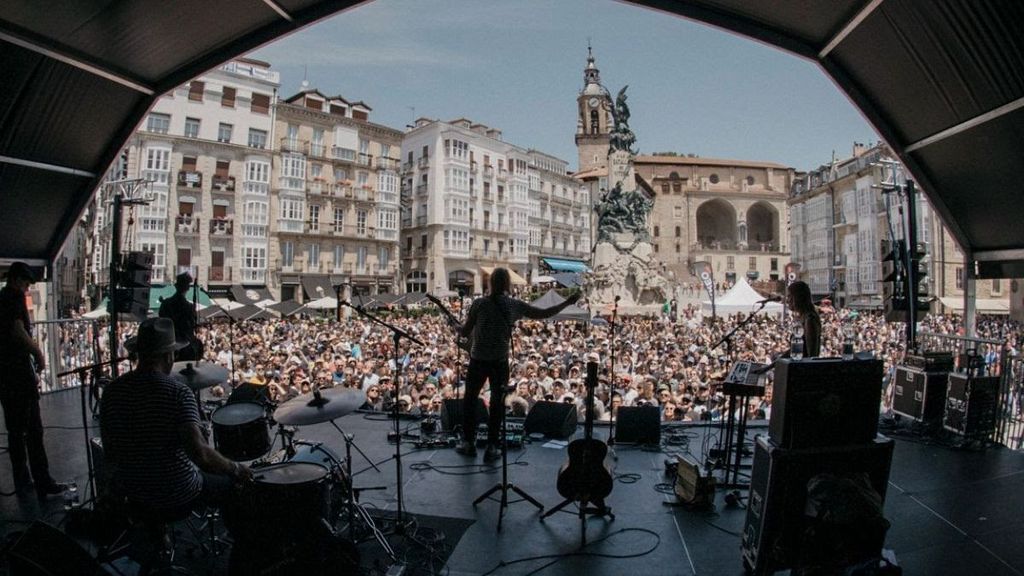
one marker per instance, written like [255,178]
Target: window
[714,178]
[158,123]
[316,170]
[287,253]
[385,150]
[677,187]
[775,264]
[293,171]
[679,231]
[195,90]
[314,216]
[361,222]
[313,257]
[423,241]
[677,212]
[383,255]
[361,257]
[254,257]
[191,128]
[750,180]
[257,171]
[664,188]
[959,278]
[997,286]
[227,97]
[254,219]
[657,231]
[426,151]
[224,132]
[257,138]
[730,262]
[753,263]
[387,220]
[339,256]
[291,209]
[260,104]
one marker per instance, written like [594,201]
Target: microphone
[617,298]
[772,298]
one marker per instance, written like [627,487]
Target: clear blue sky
[518,65]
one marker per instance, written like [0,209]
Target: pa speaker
[451,413]
[638,425]
[552,419]
[45,551]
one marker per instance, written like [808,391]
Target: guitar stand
[504,486]
[586,507]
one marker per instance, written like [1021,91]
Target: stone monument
[624,263]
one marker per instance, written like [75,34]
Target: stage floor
[952,511]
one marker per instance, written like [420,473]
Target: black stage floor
[952,511]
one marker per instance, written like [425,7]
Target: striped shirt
[142,416]
[491,323]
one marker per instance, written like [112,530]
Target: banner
[707,277]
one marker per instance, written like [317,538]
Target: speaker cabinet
[919,395]
[825,402]
[552,419]
[46,551]
[971,405]
[451,414]
[775,519]
[638,425]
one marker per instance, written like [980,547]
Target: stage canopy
[942,82]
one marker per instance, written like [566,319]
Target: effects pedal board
[513,434]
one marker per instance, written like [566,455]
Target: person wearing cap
[182,312]
[21,359]
[152,439]
[489,322]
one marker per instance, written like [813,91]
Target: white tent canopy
[741,298]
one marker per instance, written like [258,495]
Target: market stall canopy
[942,82]
[160,292]
[565,265]
[570,312]
[250,294]
[286,308]
[741,298]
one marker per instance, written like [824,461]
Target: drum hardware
[241,431]
[355,507]
[198,376]
[321,406]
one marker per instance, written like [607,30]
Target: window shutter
[195,90]
[227,99]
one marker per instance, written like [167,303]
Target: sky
[517,65]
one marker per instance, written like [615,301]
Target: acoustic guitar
[586,477]
[463,342]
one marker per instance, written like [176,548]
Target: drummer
[152,439]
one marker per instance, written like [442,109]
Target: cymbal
[199,375]
[309,409]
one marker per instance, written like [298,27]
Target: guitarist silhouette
[585,478]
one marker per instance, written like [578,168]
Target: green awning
[157,292]
[565,265]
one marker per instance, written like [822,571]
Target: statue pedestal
[626,269]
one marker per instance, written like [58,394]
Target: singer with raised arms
[489,323]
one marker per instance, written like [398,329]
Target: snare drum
[241,431]
[337,477]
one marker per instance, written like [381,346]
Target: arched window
[594,125]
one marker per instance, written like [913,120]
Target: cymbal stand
[350,443]
[504,486]
[396,336]
[355,507]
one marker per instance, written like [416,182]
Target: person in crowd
[489,323]
[21,362]
[152,438]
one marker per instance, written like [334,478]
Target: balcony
[317,151]
[387,270]
[407,167]
[488,171]
[255,188]
[385,234]
[423,162]
[474,167]
[219,273]
[502,174]
[366,194]
[221,226]
[292,226]
[223,183]
[421,189]
[190,179]
[294,145]
[416,252]
[385,163]
[342,190]
[502,199]
[343,154]
[186,224]
[421,220]
[364,159]
[318,188]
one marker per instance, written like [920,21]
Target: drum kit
[300,491]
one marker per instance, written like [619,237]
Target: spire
[591,75]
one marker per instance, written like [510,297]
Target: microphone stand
[729,427]
[458,351]
[396,335]
[88,373]
[612,417]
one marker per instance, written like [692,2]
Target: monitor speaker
[552,419]
[638,425]
[451,413]
[46,551]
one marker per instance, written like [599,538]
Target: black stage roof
[941,80]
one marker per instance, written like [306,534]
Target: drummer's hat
[156,336]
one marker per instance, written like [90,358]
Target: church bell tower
[594,123]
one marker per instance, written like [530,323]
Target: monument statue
[625,269]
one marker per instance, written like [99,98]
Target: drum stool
[160,540]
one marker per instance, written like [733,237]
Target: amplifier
[971,405]
[930,361]
[775,518]
[825,402]
[694,485]
[918,394]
